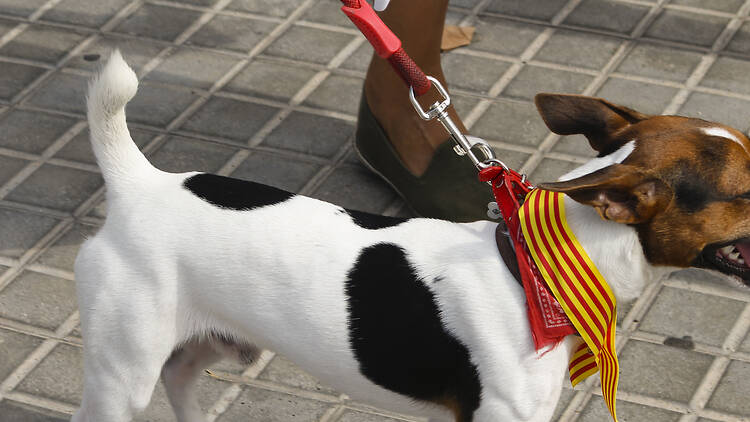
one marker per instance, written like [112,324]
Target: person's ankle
[414,139]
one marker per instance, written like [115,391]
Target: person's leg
[419,24]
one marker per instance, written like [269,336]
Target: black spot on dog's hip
[398,338]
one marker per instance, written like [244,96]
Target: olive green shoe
[449,189]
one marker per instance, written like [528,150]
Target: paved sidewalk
[267,90]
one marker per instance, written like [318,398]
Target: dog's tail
[116,153]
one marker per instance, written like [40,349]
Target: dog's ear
[597,119]
[620,193]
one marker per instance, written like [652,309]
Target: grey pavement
[267,90]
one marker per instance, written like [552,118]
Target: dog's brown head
[685,187]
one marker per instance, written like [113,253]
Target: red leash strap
[386,44]
[549,324]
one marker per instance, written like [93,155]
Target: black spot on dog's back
[234,194]
[398,338]
[374,221]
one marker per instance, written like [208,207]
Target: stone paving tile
[607,14]
[731,111]
[9,167]
[38,299]
[14,77]
[655,61]
[137,52]
[731,393]
[158,22]
[58,377]
[673,25]
[276,170]
[663,372]
[534,9]
[79,148]
[62,253]
[17,412]
[14,348]
[328,12]
[463,103]
[338,93]
[277,8]
[730,6]
[360,60]
[550,169]
[311,135]
[512,158]
[261,405]
[728,74]
[355,187]
[642,96]
[224,117]
[576,145]
[591,52]
[503,37]
[309,44]
[179,154]
[267,79]
[62,92]
[57,187]
[740,43]
[282,371]
[28,229]
[469,73]
[157,104]
[47,128]
[565,397]
[533,80]
[42,44]
[679,313]
[596,411]
[189,67]
[207,392]
[84,12]
[232,33]
[520,122]
[21,7]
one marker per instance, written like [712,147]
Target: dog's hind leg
[121,368]
[180,374]
[128,333]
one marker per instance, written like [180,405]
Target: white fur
[167,266]
[723,133]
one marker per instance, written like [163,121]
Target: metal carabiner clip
[465,145]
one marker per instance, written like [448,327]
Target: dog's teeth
[726,250]
[734,255]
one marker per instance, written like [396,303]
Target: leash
[565,293]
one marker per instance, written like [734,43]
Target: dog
[416,315]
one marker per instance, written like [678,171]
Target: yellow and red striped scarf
[579,287]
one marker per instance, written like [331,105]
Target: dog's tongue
[744,249]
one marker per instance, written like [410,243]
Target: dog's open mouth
[729,258]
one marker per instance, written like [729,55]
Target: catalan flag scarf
[580,290]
